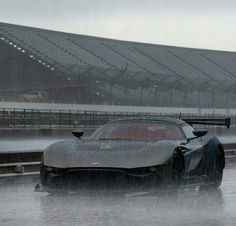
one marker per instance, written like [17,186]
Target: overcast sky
[207,24]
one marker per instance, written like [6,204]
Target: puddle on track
[20,205]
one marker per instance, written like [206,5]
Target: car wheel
[178,167]
[219,164]
[44,176]
[215,173]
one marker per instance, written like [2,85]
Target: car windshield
[138,131]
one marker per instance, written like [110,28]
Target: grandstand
[51,66]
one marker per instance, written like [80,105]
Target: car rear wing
[208,121]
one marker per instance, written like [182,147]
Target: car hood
[107,154]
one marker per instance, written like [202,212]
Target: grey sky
[191,23]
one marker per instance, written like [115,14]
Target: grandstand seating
[119,72]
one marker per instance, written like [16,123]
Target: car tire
[43,176]
[215,174]
[178,167]
[219,164]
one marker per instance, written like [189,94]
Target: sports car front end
[103,163]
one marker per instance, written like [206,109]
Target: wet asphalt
[21,205]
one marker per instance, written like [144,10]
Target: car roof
[165,119]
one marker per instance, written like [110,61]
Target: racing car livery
[140,151]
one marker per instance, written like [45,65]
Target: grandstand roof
[123,65]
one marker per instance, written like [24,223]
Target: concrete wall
[115,108]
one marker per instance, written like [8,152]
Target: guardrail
[19,169]
[20,163]
[35,118]
[28,163]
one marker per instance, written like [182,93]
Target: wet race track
[20,205]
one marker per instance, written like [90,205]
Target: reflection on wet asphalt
[20,205]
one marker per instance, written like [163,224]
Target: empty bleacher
[119,72]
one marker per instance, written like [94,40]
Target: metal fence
[35,118]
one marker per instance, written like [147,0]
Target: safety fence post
[24,114]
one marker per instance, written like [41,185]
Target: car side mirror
[78,133]
[199,133]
